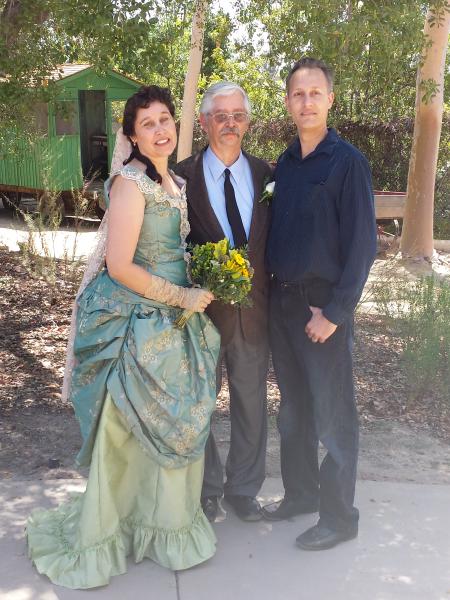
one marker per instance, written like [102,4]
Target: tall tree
[191,81]
[417,234]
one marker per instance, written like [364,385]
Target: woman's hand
[196,299]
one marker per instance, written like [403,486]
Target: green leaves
[374,48]
[38,35]
[438,8]
[430,89]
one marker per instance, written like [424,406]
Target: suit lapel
[259,214]
[198,200]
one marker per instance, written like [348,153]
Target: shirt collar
[326,146]
[217,167]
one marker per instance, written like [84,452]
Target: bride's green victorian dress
[143,392]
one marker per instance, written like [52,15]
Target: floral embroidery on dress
[86,377]
[150,188]
[184,366]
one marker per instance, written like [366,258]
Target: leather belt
[286,285]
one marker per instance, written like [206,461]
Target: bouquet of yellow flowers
[224,271]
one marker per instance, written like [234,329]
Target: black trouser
[317,403]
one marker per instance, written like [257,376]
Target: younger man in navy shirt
[321,246]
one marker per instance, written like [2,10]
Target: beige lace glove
[193,299]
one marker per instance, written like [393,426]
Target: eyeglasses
[222,117]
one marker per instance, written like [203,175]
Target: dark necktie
[233,214]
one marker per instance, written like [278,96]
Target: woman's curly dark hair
[142,99]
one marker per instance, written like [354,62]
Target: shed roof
[75,69]
[72,69]
[68,69]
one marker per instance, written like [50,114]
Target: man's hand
[319,328]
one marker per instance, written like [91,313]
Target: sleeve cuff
[335,314]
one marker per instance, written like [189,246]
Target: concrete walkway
[402,552]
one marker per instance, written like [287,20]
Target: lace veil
[95,261]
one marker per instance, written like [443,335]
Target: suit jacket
[206,228]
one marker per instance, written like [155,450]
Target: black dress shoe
[247,508]
[287,508]
[210,506]
[320,537]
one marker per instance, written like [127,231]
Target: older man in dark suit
[224,186]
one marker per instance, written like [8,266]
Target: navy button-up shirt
[323,221]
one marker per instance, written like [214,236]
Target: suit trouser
[246,366]
[317,403]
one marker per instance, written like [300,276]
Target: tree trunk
[417,235]
[191,81]
[11,16]
[8,21]
[11,10]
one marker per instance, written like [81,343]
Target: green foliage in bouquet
[225,271]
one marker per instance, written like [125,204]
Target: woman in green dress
[143,390]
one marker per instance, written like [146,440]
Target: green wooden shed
[77,133]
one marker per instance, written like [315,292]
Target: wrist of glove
[161,290]
[195,299]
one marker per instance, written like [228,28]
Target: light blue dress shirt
[241,178]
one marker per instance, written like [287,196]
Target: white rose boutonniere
[267,194]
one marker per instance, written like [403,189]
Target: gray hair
[221,88]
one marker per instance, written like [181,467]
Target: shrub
[420,313]
[40,254]
[386,145]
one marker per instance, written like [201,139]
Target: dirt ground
[402,439]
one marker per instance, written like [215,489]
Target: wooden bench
[390,205]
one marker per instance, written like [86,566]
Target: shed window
[41,118]
[117,107]
[66,118]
